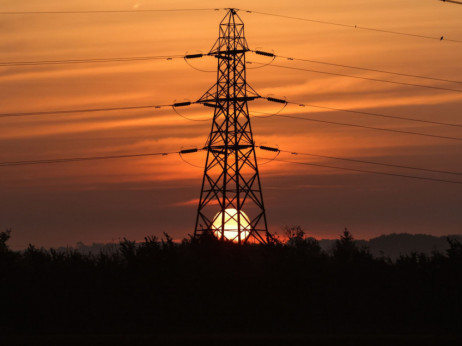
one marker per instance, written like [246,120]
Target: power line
[372,162]
[110,11]
[367,171]
[369,69]
[77,159]
[88,110]
[111,157]
[437,38]
[368,127]
[84,61]
[177,56]
[359,77]
[70,111]
[269,115]
[383,115]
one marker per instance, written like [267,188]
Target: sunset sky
[104,201]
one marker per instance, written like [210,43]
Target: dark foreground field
[212,293]
[235,339]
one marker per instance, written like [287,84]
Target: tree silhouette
[210,286]
[345,250]
[295,235]
[4,237]
[455,251]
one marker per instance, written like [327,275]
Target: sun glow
[231,230]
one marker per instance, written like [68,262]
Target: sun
[231,230]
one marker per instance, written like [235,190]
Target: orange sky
[99,201]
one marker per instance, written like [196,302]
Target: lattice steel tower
[231,201]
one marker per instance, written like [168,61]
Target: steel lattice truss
[231,184]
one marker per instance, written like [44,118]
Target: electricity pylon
[231,202]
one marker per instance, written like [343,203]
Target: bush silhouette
[345,250]
[4,237]
[209,286]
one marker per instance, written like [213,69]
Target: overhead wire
[368,127]
[349,124]
[438,38]
[276,150]
[173,106]
[84,110]
[359,77]
[189,163]
[109,157]
[90,158]
[103,60]
[77,159]
[264,64]
[352,26]
[269,115]
[92,60]
[368,69]
[383,115]
[108,11]
[372,162]
[197,68]
[90,110]
[178,56]
[185,117]
[368,171]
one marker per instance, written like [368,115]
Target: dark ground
[213,293]
[236,339]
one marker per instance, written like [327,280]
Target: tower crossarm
[220,100]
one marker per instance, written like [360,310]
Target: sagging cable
[183,104]
[260,52]
[189,151]
[188,57]
[274,150]
[268,115]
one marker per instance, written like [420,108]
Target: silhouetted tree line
[205,285]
